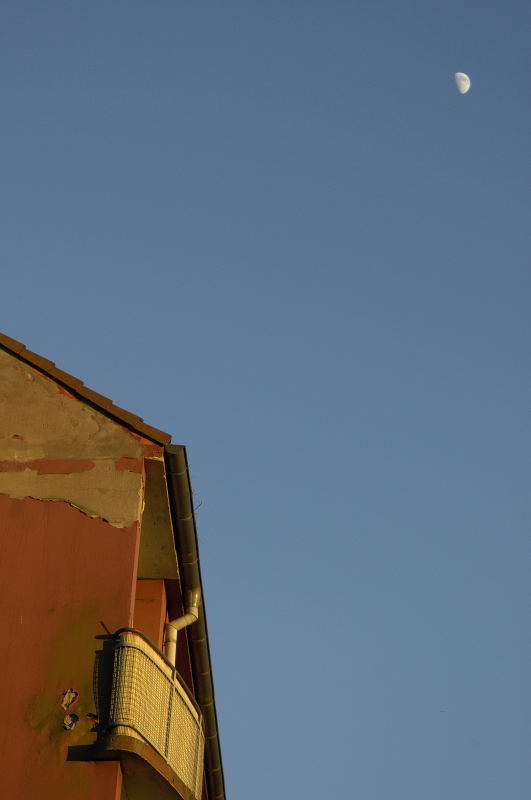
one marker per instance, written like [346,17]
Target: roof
[78,388]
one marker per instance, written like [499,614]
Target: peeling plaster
[85,511]
[113,495]
[56,447]
[70,721]
[68,697]
[41,420]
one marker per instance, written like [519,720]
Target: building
[102,697]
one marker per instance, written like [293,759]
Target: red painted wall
[65,572]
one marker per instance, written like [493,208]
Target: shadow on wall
[102,689]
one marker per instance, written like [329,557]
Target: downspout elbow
[193,601]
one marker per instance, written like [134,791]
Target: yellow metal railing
[149,702]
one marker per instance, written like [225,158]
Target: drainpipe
[182,507]
[193,600]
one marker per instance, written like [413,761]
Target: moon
[463,82]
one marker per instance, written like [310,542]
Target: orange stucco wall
[62,572]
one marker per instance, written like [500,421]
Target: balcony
[152,715]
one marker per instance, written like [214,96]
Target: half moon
[463,82]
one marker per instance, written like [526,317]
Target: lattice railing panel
[149,702]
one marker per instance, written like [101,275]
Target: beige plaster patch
[38,421]
[105,492]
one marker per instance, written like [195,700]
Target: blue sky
[277,231]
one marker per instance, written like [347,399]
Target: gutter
[182,511]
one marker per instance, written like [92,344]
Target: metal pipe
[193,600]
